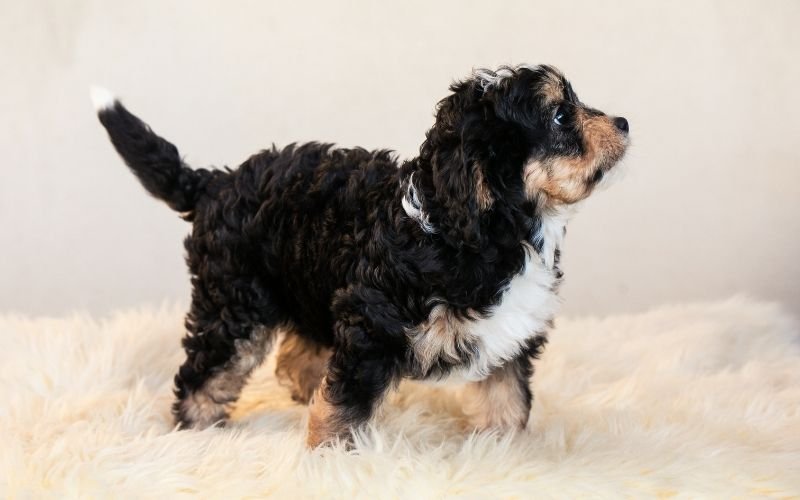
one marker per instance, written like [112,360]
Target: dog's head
[514,136]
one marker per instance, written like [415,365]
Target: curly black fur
[316,237]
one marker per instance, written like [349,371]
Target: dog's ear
[456,152]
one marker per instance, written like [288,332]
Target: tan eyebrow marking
[553,89]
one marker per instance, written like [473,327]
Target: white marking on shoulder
[102,98]
[412,205]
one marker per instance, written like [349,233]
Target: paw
[497,424]
[198,411]
[324,424]
[497,417]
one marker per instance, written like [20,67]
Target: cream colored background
[709,205]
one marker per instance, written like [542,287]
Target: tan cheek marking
[497,402]
[300,366]
[557,179]
[441,336]
[482,191]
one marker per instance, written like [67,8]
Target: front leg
[366,360]
[503,400]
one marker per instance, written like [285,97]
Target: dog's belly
[473,348]
[455,378]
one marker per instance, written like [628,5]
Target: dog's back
[294,221]
[300,219]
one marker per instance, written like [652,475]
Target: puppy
[445,267]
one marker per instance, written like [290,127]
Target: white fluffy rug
[693,401]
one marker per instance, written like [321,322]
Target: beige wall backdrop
[709,204]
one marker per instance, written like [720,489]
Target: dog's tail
[154,160]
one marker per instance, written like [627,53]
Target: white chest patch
[528,304]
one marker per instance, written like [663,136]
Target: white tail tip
[102,98]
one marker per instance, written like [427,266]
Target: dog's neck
[550,218]
[552,227]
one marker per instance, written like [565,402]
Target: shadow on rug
[695,400]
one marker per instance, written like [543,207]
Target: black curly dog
[442,268]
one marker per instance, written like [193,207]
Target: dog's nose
[621,123]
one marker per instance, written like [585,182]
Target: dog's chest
[473,347]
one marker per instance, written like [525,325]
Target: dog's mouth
[602,172]
[597,177]
[612,153]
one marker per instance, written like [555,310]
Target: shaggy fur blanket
[698,400]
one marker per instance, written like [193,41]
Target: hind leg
[228,337]
[300,366]
[368,357]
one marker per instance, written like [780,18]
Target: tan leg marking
[212,403]
[498,402]
[300,366]
[324,425]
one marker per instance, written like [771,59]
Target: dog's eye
[560,118]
